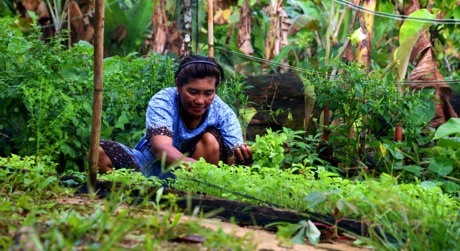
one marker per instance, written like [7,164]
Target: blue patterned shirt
[163,118]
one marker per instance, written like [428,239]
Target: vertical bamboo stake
[327,112]
[98,89]
[68,26]
[326,116]
[210,28]
[398,135]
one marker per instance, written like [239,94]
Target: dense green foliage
[368,105]
[46,105]
[408,189]
[399,211]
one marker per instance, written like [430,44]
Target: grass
[37,213]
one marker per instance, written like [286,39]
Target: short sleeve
[230,128]
[161,113]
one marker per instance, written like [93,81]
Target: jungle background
[251,39]
[350,106]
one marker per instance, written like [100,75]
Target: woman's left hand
[243,154]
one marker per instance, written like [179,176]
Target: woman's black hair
[196,67]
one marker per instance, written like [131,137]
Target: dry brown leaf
[165,36]
[119,34]
[222,16]
[42,11]
[425,70]
[77,25]
[277,35]
[244,31]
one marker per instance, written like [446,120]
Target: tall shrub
[364,103]
[46,98]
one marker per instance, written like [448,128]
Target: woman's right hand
[243,154]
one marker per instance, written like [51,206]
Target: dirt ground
[265,240]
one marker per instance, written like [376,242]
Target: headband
[201,62]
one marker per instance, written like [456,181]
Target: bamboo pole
[210,28]
[188,28]
[326,116]
[98,89]
[68,27]
[398,134]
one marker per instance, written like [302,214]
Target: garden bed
[242,219]
[243,214]
[263,239]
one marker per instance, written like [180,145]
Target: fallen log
[279,100]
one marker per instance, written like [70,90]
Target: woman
[183,124]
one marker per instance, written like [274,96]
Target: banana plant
[58,13]
[416,46]
[409,34]
[6,8]
[126,25]
[366,21]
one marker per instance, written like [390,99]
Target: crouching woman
[183,124]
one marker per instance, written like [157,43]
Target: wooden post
[68,26]
[98,89]
[188,28]
[210,28]
[326,129]
[398,135]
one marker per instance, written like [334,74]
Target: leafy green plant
[270,185]
[37,175]
[46,110]
[134,184]
[233,93]
[444,158]
[129,177]
[377,201]
[448,134]
[6,8]
[302,149]
[403,228]
[269,149]
[363,104]
[436,160]
[133,17]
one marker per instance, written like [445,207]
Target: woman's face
[197,95]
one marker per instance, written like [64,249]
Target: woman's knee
[104,162]
[210,142]
[207,148]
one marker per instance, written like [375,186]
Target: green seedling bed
[243,214]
